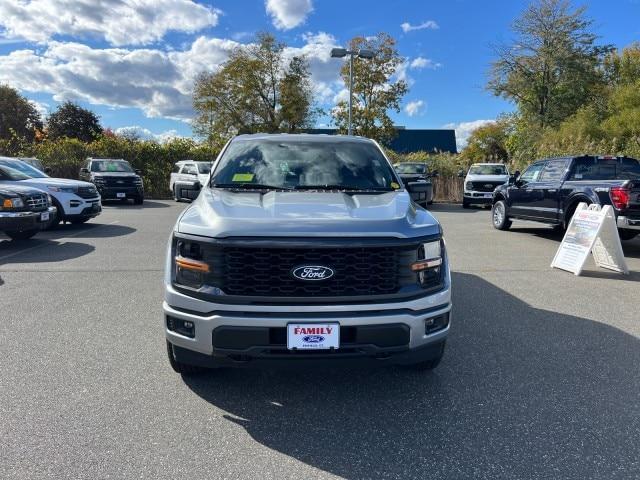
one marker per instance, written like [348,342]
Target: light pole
[361,53]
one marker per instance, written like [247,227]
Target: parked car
[187,178]
[24,211]
[115,179]
[305,248]
[35,163]
[75,201]
[480,182]
[417,172]
[549,191]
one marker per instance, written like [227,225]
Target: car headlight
[10,203]
[62,189]
[189,268]
[468,186]
[429,265]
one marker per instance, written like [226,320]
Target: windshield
[8,173]
[110,166]
[23,168]
[308,164]
[593,168]
[418,168]
[488,170]
[204,168]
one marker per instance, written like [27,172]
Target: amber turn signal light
[193,265]
[426,264]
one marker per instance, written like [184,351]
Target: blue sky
[134,62]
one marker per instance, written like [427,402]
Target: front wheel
[138,200]
[627,234]
[465,204]
[179,367]
[21,235]
[499,216]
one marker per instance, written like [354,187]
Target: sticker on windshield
[242,177]
[395,186]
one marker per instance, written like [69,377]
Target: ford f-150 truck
[549,191]
[305,248]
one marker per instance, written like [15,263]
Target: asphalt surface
[540,378]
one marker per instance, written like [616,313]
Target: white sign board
[591,230]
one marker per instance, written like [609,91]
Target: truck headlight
[429,264]
[189,267]
[10,203]
[468,186]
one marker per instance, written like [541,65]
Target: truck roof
[303,137]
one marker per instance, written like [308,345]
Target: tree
[552,67]
[18,117]
[373,89]
[254,92]
[488,143]
[72,121]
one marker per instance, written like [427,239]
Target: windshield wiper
[249,186]
[343,187]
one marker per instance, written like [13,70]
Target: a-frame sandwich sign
[592,229]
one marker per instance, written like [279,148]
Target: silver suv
[301,249]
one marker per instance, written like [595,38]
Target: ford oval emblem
[312,272]
[313,339]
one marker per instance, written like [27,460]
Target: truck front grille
[37,202]
[485,186]
[357,271]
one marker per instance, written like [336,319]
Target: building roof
[410,140]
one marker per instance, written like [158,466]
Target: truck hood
[222,213]
[487,178]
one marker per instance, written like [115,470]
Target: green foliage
[19,119]
[73,121]
[254,92]
[551,69]
[488,143]
[373,90]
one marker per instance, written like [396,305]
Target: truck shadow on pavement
[88,230]
[131,206]
[521,393]
[41,250]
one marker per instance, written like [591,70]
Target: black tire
[138,200]
[179,367]
[79,221]
[428,364]
[21,234]
[499,217]
[175,194]
[430,202]
[465,204]
[569,215]
[627,234]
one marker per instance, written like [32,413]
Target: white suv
[480,182]
[76,201]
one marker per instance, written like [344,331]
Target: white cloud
[421,62]
[464,130]
[136,131]
[288,14]
[41,107]
[119,22]
[156,81]
[430,24]
[415,107]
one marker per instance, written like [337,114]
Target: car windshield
[488,170]
[8,173]
[304,164]
[593,168]
[204,168]
[110,166]
[417,168]
[23,168]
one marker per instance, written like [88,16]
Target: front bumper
[256,335]
[481,198]
[627,223]
[22,221]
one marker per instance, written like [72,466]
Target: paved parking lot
[540,378]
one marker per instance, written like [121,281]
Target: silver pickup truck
[304,249]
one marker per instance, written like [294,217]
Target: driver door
[524,195]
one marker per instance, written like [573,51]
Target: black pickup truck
[549,191]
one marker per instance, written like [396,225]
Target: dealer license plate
[121,195]
[44,216]
[313,336]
